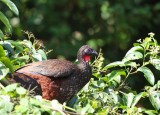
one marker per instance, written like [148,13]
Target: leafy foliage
[5,20]
[109,92]
[68,24]
[15,100]
[15,54]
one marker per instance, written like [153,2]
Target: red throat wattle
[86,58]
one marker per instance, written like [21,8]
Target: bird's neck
[84,66]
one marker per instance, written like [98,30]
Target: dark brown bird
[57,79]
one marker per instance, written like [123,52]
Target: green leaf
[11,87]
[99,83]
[6,61]
[136,99]
[94,104]
[155,63]
[115,97]
[24,101]
[8,47]
[44,57]
[24,58]
[4,19]
[120,64]
[87,109]
[2,52]
[147,74]
[21,90]
[129,99]
[155,100]
[6,106]
[37,57]
[114,64]
[1,34]
[150,112]
[133,49]
[158,83]
[132,64]
[11,5]
[16,44]
[23,107]
[133,56]
[113,75]
[28,44]
[3,112]
[35,101]
[56,105]
[3,70]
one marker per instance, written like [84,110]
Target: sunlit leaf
[147,74]
[3,70]
[147,39]
[28,44]
[155,100]
[115,97]
[11,87]
[133,49]
[56,105]
[6,106]
[35,101]
[4,19]
[130,63]
[16,44]
[8,47]
[37,57]
[129,99]
[94,104]
[11,5]
[133,56]
[23,107]
[21,91]
[150,112]
[120,64]
[114,64]
[113,75]
[87,109]
[43,54]
[2,52]
[24,58]
[136,99]
[6,61]
[155,63]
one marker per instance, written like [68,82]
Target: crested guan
[54,78]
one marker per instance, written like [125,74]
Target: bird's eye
[87,51]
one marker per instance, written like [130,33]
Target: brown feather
[56,79]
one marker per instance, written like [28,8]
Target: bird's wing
[51,68]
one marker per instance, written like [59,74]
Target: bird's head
[85,53]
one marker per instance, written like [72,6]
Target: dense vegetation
[129,86]
[69,24]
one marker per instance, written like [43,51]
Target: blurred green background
[65,25]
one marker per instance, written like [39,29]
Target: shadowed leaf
[147,74]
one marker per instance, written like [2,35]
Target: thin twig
[1,86]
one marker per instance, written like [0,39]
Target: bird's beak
[94,53]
